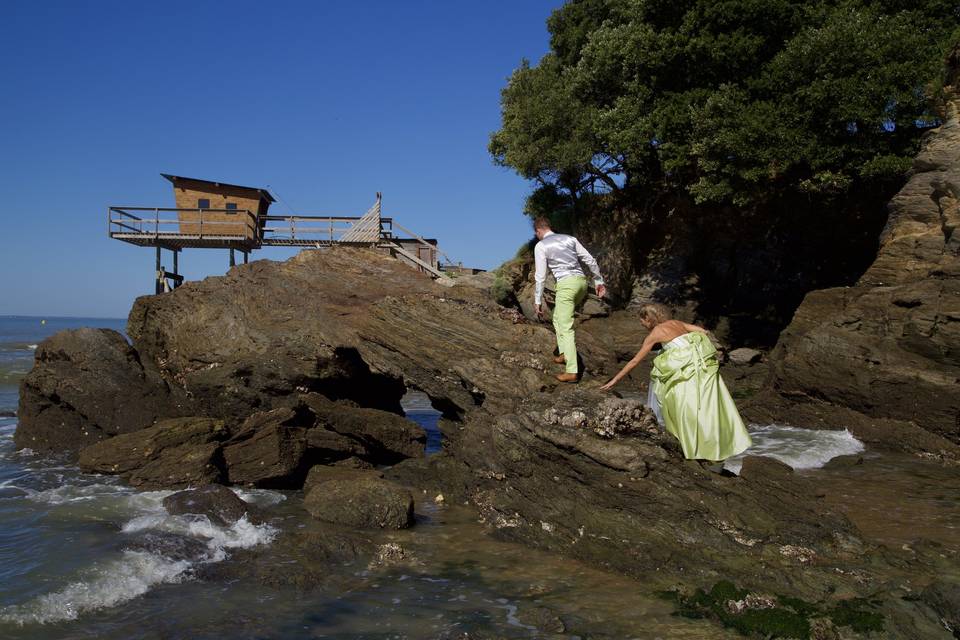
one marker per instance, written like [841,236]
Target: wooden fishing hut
[227,210]
[219,215]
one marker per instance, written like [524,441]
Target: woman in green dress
[686,390]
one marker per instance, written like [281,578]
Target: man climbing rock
[564,256]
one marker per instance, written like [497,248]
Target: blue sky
[324,102]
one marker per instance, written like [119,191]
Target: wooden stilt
[176,267]
[233,260]
[156,274]
[246,257]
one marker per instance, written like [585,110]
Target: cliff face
[741,272]
[889,346]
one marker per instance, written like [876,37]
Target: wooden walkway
[245,231]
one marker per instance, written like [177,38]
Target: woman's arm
[652,338]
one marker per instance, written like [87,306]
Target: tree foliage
[729,101]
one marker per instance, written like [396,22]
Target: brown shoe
[560,359]
[568,377]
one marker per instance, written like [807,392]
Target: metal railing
[173,223]
[176,229]
[307,229]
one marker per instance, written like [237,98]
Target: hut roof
[263,193]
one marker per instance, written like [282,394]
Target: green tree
[728,101]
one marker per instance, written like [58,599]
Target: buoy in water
[43,322]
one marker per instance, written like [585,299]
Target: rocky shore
[290,375]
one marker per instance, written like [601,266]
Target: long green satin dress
[694,402]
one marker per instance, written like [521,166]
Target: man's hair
[541,222]
[656,312]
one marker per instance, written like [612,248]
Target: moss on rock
[756,615]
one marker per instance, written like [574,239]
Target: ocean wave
[240,535]
[799,448]
[113,583]
[7,347]
[136,570]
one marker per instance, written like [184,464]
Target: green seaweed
[851,613]
[770,623]
[800,606]
[790,618]
[726,590]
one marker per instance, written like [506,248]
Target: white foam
[799,448]
[259,497]
[136,571]
[240,535]
[32,347]
[113,583]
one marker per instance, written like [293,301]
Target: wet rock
[319,556]
[268,451]
[332,544]
[744,356]
[87,385]
[944,598]
[319,474]
[761,468]
[843,462]
[391,554]
[169,545]
[221,505]
[384,437]
[175,453]
[366,503]
[540,618]
[823,629]
[593,495]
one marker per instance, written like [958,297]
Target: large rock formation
[889,346]
[178,452]
[248,340]
[87,385]
[299,360]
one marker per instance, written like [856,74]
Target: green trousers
[570,292]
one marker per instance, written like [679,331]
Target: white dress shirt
[563,254]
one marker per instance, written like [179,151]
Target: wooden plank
[406,254]
[422,241]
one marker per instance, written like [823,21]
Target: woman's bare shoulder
[666,331]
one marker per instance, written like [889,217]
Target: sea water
[84,556]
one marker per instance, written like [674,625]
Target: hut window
[231,207]
[203,203]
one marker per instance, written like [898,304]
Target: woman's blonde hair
[656,312]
